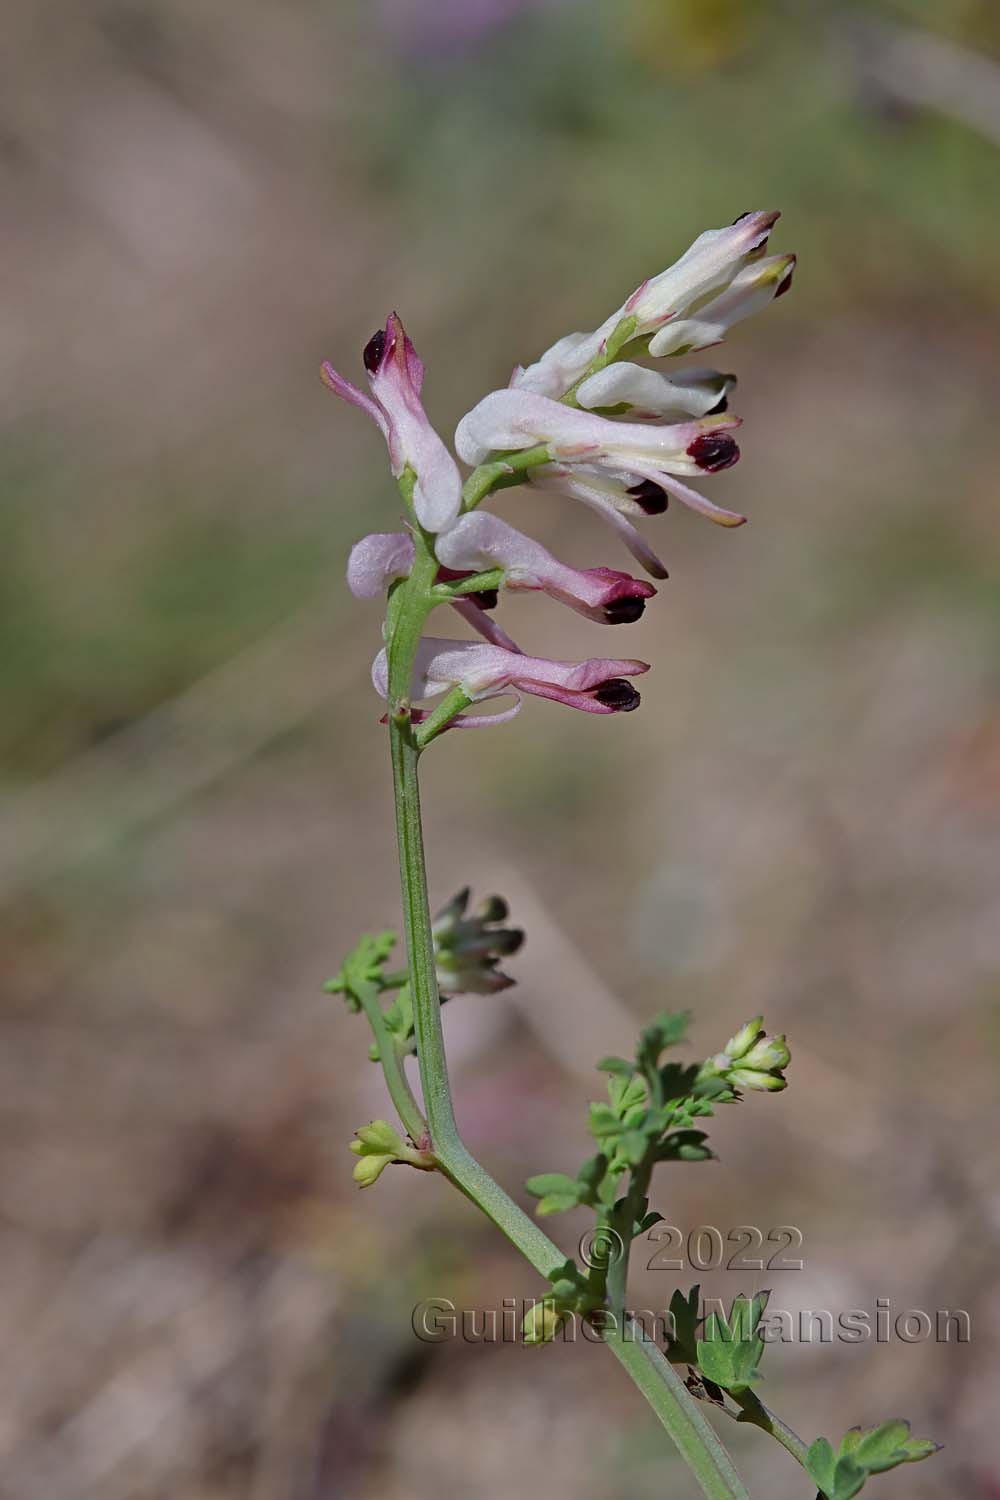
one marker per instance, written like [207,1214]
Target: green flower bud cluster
[571,1295]
[377,1145]
[468,948]
[751,1060]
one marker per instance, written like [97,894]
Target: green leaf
[591,1175]
[633,1145]
[603,1122]
[677,1081]
[626,1094]
[877,1449]
[556,1203]
[820,1464]
[619,1065]
[665,1030]
[682,1346]
[731,1348]
[552,1182]
[685,1145]
[863,1453]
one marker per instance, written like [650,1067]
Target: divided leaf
[730,1349]
[864,1452]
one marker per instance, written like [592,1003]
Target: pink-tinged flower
[376,561]
[750,292]
[396,375]
[482,541]
[708,266]
[483,670]
[614,499]
[716,258]
[632,452]
[645,395]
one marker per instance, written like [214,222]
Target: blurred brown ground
[202,200]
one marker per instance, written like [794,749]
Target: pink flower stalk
[376,561]
[396,375]
[631,451]
[707,267]
[481,541]
[483,670]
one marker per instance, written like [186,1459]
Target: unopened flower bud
[770,1054]
[370,1168]
[740,1044]
[468,948]
[542,1322]
[378,1136]
[750,1078]
[380,1143]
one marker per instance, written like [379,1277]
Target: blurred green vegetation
[212,197]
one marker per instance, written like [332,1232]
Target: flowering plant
[585,421]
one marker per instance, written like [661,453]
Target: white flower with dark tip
[748,293]
[396,376]
[644,395]
[480,542]
[605,463]
[707,267]
[484,670]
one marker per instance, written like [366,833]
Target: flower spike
[396,374]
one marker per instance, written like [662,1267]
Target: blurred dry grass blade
[922,71]
[151,767]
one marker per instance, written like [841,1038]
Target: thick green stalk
[410,603]
[673,1404]
[446,1143]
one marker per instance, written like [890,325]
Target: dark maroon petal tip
[650,497]
[624,611]
[714,451]
[785,282]
[374,351]
[618,695]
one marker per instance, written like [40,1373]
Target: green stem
[753,1410]
[673,1404]
[505,469]
[393,1071]
[446,1143]
[624,1220]
[649,1368]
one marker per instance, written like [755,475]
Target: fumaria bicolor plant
[588,422]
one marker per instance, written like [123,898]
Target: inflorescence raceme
[584,421]
[590,422]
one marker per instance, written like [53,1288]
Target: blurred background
[203,199]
